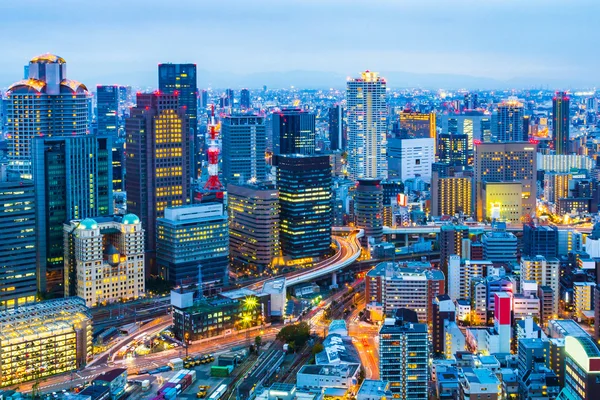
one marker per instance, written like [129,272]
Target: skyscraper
[404,359]
[253,227]
[181,80]
[451,194]
[45,104]
[73,180]
[18,284]
[367,126]
[560,123]
[337,141]
[508,121]
[416,125]
[294,131]
[244,147]
[107,109]
[506,162]
[229,98]
[368,209]
[305,193]
[157,161]
[244,99]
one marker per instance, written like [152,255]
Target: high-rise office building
[471,102]
[451,195]
[506,162]
[244,99]
[118,165]
[18,285]
[507,124]
[47,103]
[305,193]
[229,98]
[561,121]
[541,240]
[193,246]
[73,180]
[244,147]
[337,139]
[368,209]
[107,109]
[453,149]
[367,126]
[104,259]
[157,161]
[294,131]
[404,359]
[181,80]
[253,227]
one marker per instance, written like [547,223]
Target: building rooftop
[276,285]
[374,388]
[481,376]
[343,370]
[50,317]
[111,375]
[337,350]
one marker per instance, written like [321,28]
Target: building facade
[408,158]
[157,161]
[367,126]
[294,131]
[305,201]
[107,109]
[244,147]
[104,259]
[507,162]
[368,209]
[18,283]
[507,124]
[337,136]
[193,240]
[73,180]
[561,122]
[46,103]
[253,227]
[44,339]
[404,359]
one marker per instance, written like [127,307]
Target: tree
[257,343]
[297,333]
[317,348]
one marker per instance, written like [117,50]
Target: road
[365,337]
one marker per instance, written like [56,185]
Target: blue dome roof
[130,219]
[88,223]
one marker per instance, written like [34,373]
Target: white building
[545,272]
[408,158]
[525,306]
[367,126]
[104,258]
[327,376]
[563,162]
[454,339]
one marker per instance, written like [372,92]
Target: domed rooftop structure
[130,219]
[48,58]
[88,223]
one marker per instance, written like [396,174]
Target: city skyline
[414,43]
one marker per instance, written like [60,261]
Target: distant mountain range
[325,80]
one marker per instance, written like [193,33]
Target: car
[204,387]
[201,395]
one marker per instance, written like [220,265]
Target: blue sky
[109,41]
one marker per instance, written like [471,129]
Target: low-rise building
[372,389]
[115,380]
[478,383]
[44,339]
[327,376]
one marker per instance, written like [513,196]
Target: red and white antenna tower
[213,184]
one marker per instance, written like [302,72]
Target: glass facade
[305,201]
[244,147]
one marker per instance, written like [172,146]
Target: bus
[218,394]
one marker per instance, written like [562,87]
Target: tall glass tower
[508,122]
[294,131]
[367,125]
[107,109]
[46,103]
[560,123]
